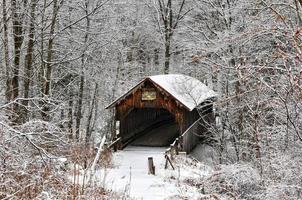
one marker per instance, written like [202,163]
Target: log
[151,166]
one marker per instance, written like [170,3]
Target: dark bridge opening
[149,127]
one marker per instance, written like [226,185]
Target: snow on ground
[130,175]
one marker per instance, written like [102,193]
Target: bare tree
[18,37]
[82,75]
[48,70]
[170,18]
[6,51]
[29,60]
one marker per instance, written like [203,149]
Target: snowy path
[130,174]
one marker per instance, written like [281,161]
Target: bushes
[234,181]
[31,164]
[280,179]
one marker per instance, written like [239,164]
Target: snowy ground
[130,175]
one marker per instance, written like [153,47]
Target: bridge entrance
[160,109]
[149,127]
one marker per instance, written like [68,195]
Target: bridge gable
[149,95]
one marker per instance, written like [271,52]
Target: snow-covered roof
[187,90]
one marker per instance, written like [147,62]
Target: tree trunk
[167,55]
[70,118]
[166,12]
[89,126]
[82,80]
[46,89]
[80,104]
[42,67]
[156,57]
[29,60]
[18,40]
[6,52]
[168,36]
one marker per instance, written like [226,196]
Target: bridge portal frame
[148,94]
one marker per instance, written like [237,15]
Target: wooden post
[151,166]
[180,142]
[117,128]
[168,161]
[172,151]
[176,146]
[118,145]
[115,147]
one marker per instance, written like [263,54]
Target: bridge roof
[187,90]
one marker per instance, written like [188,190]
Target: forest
[62,62]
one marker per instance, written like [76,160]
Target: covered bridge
[161,108]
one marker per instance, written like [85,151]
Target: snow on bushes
[233,181]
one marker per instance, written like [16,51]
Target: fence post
[168,161]
[151,166]
[176,146]
[172,151]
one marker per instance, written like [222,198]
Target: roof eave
[137,85]
[116,101]
[169,94]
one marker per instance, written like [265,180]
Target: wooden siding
[163,100]
[189,138]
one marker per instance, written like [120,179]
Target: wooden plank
[151,167]
[112,144]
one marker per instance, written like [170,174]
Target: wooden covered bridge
[160,109]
